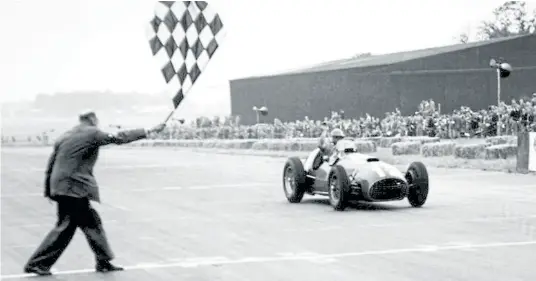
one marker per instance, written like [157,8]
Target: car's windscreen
[347,146]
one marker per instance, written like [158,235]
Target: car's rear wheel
[339,188]
[417,177]
[294,180]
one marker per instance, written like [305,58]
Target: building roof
[392,58]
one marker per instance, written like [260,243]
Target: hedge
[305,145]
[277,145]
[471,151]
[438,149]
[500,147]
[389,141]
[501,151]
[363,146]
[422,140]
[501,140]
[375,140]
[506,148]
[406,148]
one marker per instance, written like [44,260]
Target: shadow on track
[359,205]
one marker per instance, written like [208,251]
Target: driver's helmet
[336,135]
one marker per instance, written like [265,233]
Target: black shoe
[37,270]
[107,267]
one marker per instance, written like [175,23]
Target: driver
[327,145]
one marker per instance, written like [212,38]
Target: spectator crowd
[510,118]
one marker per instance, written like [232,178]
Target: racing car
[348,175]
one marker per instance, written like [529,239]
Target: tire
[417,177]
[339,188]
[294,180]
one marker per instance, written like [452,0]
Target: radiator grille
[388,189]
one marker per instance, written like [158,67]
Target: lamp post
[260,111]
[172,131]
[180,120]
[503,70]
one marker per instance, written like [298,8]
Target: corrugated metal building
[452,76]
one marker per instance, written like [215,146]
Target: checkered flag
[184,35]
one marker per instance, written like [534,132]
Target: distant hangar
[452,76]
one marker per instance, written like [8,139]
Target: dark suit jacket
[70,167]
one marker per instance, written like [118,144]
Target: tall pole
[257,124]
[498,86]
[498,101]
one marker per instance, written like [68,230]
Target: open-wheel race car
[348,175]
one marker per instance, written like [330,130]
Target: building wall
[464,78]
[477,90]
[452,79]
[314,95]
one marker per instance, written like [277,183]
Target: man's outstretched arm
[123,137]
[324,143]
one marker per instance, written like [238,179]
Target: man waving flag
[184,35]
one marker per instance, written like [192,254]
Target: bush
[234,144]
[501,140]
[307,144]
[470,151]
[224,144]
[304,145]
[375,140]
[438,149]
[428,147]
[501,151]
[281,145]
[243,144]
[265,144]
[143,143]
[157,143]
[406,148]
[191,143]
[260,145]
[209,144]
[364,146]
[275,145]
[387,142]
[422,140]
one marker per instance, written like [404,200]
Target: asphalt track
[182,215]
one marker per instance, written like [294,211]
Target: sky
[68,45]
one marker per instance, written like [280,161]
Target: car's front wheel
[339,188]
[294,180]
[417,177]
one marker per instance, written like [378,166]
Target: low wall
[490,148]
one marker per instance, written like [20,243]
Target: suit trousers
[72,213]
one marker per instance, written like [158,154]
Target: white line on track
[312,257]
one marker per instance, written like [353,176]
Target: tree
[510,19]
[463,38]
[362,55]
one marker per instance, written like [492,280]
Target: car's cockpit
[345,146]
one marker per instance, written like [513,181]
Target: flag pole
[169,115]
